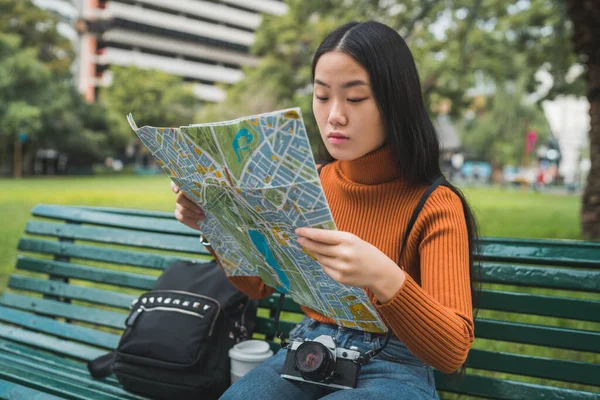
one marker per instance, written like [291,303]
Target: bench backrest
[538,320]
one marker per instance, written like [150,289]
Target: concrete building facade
[206,42]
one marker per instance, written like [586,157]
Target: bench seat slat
[57,328]
[85,380]
[68,388]
[123,237]
[547,368]
[102,218]
[68,291]
[540,335]
[554,278]
[49,359]
[65,310]
[131,211]
[505,389]
[41,341]
[500,330]
[541,252]
[83,272]
[526,303]
[103,254]
[14,391]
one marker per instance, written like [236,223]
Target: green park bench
[79,268]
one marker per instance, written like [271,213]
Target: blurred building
[206,42]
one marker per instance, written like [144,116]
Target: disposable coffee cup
[247,355]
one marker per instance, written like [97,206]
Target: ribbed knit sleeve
[434,319]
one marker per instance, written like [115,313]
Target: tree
[153,97]
[495,130]
[37,29]
[585,15]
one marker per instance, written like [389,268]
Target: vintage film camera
[321,362]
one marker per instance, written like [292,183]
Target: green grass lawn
[501,212]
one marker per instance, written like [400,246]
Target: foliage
[37,29]
[37,95]
[455,43]
[153,97]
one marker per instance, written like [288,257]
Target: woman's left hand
[350,260]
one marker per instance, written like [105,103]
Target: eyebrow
[346,85]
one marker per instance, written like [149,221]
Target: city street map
[256,180]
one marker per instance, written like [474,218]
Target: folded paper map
[256,180]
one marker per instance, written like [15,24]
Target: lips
[337,135]
[337,138]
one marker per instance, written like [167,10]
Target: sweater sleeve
[435,319]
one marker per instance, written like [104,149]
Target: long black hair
[397,91]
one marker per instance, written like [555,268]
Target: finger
[317,248]
[184,201]
[189,213]
[192,223]
[174,187]
[322,235]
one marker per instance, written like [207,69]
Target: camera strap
[372,353]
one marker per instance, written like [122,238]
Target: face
[345,108]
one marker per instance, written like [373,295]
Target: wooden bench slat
[541,335]
[58,385]
[13,391]
[102,254]
[539,367]
[130,211]
[554,278]
[57,328]
[68,291]
[44,357]
[83,272]
[41,341]
[102,218]
[123,237]
[49,359]
[97,386]
[542,252]
[272,302]
[65,310]
[506,389]
[527,303]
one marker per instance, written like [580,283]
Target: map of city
[256,180]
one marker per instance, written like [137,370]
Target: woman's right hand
[186,211]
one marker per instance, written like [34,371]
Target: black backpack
[178,335]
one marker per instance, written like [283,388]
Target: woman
[385,154]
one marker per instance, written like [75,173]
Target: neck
[373,168]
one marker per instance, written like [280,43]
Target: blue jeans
[394,374]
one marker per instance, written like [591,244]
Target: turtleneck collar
[373,168]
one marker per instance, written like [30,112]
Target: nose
[337,114]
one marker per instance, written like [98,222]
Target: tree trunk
[590,211]
[585,15]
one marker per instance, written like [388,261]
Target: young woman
[385,154]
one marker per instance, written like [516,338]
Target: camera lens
[314,361]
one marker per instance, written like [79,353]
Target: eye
[357,100]
[321,98]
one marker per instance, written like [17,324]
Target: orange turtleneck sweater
[432,312]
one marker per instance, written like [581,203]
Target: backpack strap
[439,181]
[102,366]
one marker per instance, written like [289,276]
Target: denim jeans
[394,374]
